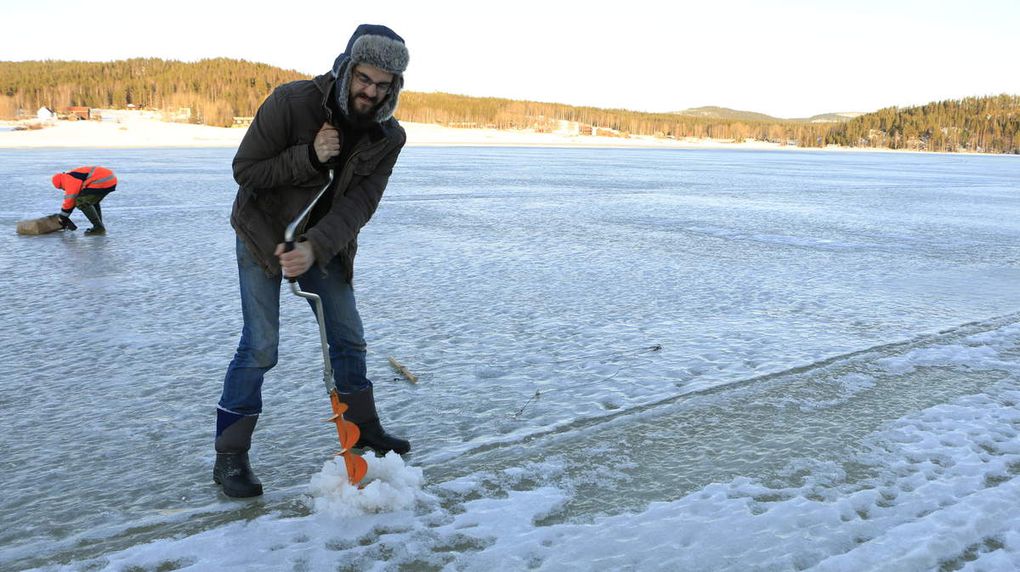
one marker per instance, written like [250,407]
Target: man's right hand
[295,262]
[327,143]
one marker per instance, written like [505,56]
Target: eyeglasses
[382,86]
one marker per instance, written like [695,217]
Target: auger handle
[291,230]
[288,245]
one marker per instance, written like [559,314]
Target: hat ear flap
[342,88]
[338,64]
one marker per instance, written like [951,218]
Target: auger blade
[357,467]
[349,434]
[339,408]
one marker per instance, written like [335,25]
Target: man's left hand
[65,222]
[327,143]
[297,261]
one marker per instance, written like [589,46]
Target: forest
[980,124]
[216,91]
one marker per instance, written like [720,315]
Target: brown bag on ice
[41,225]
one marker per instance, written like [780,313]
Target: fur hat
[377,46]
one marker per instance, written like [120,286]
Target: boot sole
[381,451]
[238,493]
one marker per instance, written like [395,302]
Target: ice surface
[629,359]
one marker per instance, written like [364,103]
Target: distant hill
[463,111]
[833,117]
[735,114]
[712,112]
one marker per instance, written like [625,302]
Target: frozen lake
[629,359]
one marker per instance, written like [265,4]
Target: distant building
[609,132]
[77,112]
[45,113]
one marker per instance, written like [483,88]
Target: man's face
[369,87]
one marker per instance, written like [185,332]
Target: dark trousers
[88,203]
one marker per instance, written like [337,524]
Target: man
[85,188]
[343,121]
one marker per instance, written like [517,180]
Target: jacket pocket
[366,167]
[368,160]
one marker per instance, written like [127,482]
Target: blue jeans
[257,352]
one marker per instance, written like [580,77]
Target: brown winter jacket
[277,178]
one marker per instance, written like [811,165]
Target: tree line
[214,90]
[460,110]
[217,90]
[981,124]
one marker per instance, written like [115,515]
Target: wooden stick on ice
[403,371]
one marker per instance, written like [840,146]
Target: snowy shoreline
[135,129]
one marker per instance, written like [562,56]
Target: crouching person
[85,188]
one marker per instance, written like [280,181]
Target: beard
[362,117]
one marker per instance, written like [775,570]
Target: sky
[786,58]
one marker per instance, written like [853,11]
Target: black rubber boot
[233,470]
[362,413]
[94,214]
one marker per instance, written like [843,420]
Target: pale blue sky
[788,58]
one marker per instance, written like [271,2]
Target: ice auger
[347,431]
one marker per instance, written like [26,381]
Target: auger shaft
[347,431]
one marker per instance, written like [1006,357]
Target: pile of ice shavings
[391,486]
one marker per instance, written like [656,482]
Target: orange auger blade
[356,467]
[349,434]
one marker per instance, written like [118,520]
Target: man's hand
[297,261]
[327,143]
[65,222]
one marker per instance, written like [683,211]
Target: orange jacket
[80,179]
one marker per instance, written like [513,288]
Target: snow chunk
[392,486]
